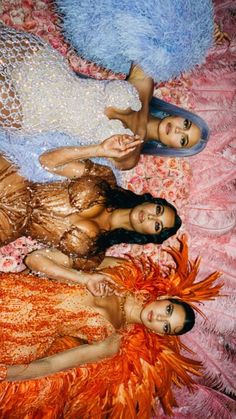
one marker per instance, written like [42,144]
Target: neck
[152,128]
[132,309]
[120,219]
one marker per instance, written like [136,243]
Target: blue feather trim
[24,152]
[164,37]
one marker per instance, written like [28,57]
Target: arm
[130,161]
[56,265]
[65,161]
[144,85]
[62,361]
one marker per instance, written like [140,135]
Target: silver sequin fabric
[39,93]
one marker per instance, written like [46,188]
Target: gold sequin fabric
[15,210]
[40,93]
[43,211]
[35,312]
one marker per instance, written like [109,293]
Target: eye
[157,227]
[158,209]
[169,309]
[166,327]
[186,124]
[183,141]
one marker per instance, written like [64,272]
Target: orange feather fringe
[146,367]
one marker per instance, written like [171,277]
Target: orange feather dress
[35,313]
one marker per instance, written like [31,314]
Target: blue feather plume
[164,37]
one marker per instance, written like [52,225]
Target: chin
[162,133]
[133,219]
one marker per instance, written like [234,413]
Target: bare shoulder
[142,82]
[110,261]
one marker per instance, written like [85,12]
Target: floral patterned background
[201,187]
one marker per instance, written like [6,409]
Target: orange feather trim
[147,365]
[144,276]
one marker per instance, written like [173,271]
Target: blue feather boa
[164,37]
[24,151]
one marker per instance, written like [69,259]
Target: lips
[141,216]
[168,128]
[149,316]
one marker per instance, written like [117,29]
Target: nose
[179,130]
[154,217]
[161,317]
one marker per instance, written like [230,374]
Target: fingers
[130,139]
[219,35]
[129,143]
[103,290]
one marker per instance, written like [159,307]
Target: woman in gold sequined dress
[81,217]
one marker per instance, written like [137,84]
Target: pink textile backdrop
[201,187]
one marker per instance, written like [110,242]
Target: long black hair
[122,198]
[189,315]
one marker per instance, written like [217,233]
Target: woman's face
[175,131]
[150,218]
[163,317]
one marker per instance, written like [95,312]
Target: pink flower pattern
[202,188]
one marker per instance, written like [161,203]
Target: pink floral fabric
[12,255]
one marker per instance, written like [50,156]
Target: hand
[101,285]
[220,36]
[119,146]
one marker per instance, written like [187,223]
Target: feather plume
[219,367]
[220,315]
[146,367]
[204,402]
[144,276]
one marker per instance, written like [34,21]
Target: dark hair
[189,315]
[158,106]
[123,198]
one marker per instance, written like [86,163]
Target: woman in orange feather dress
[135,328]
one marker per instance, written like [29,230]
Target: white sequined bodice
[50,97]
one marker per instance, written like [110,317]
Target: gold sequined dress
[35,312]
[43,211]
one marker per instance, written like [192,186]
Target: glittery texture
[45,211]
[41,94]
[24,151]
[35,312]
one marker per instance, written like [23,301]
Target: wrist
[82,277]
[99,151]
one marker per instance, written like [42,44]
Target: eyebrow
[162,209]
[187,137]
[161,225]
[169,327]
